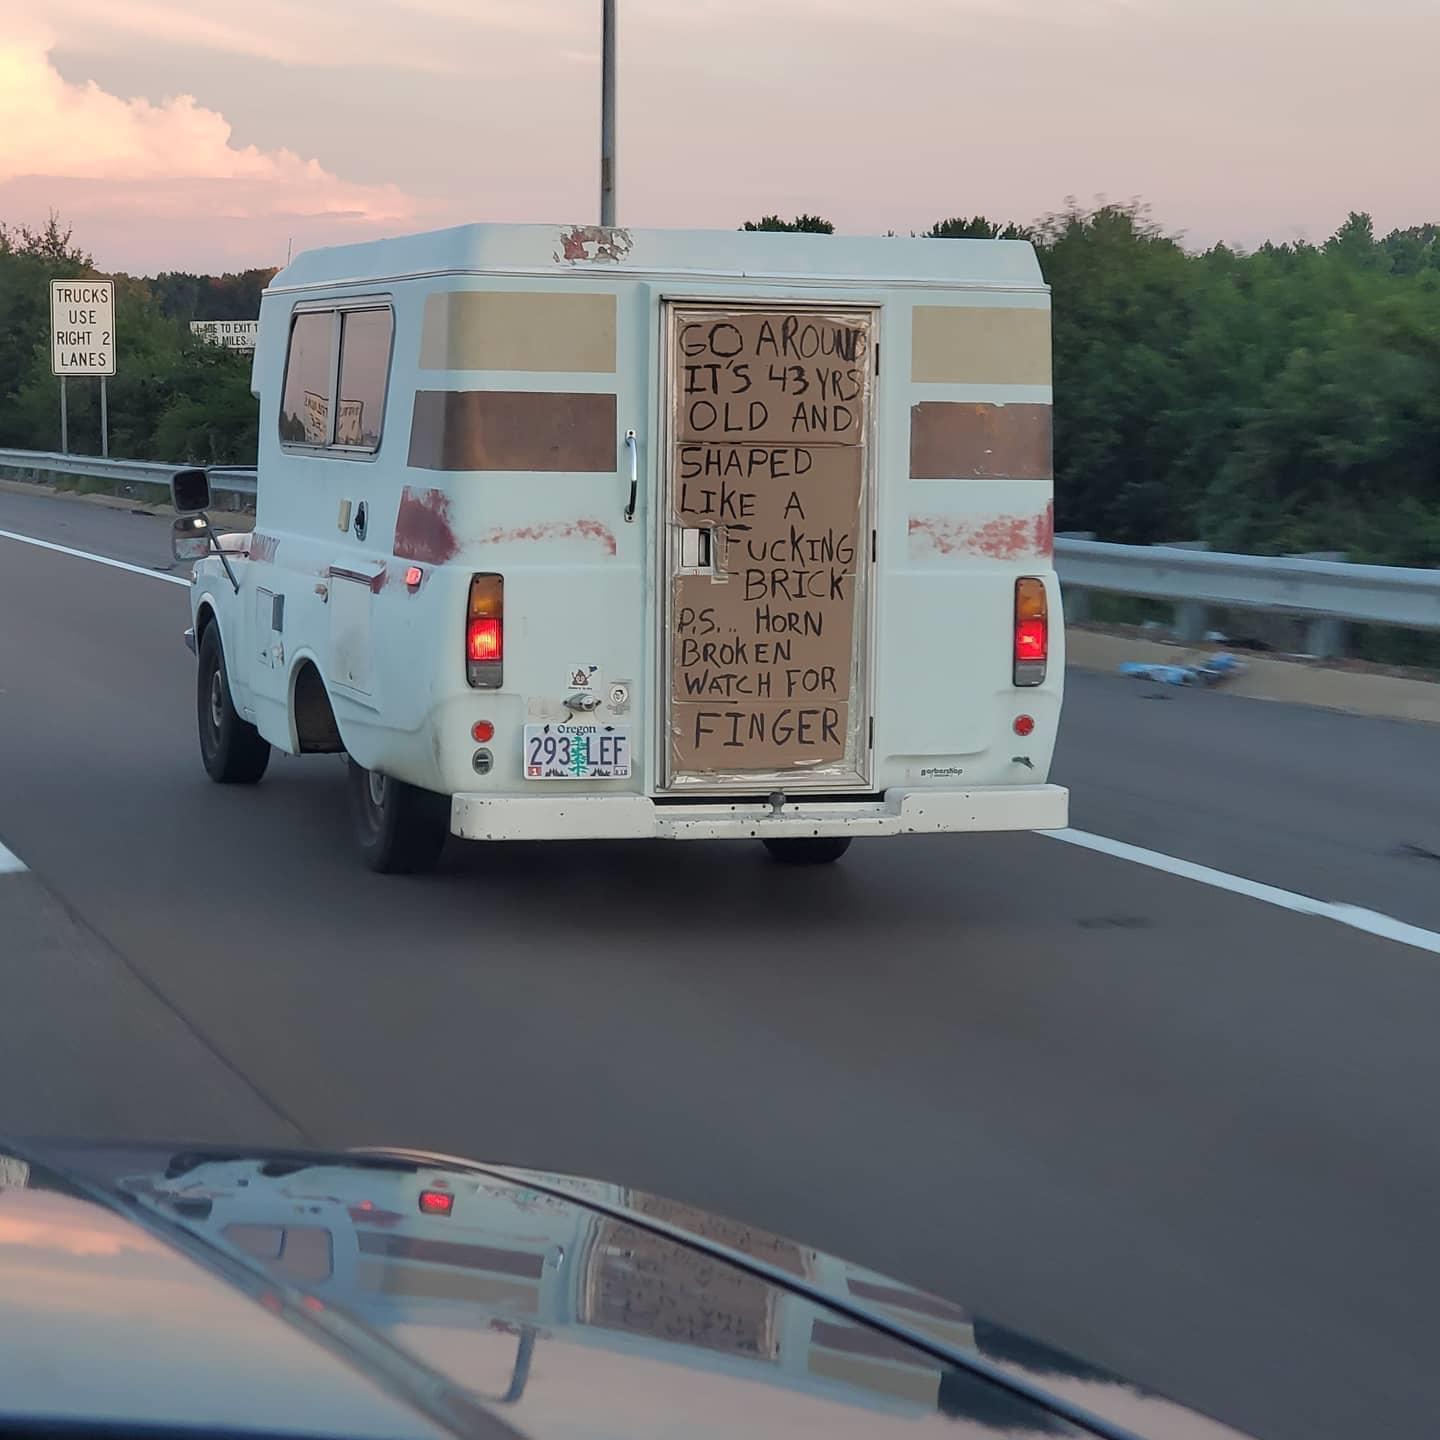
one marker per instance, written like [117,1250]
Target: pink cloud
[115,167]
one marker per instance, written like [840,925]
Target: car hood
[433,1294]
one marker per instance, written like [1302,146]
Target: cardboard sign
[763,640]
[763,376]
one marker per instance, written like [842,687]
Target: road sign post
[82,342]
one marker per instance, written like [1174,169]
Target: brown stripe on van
[518,330]
[951,440]
[534,430]
[860,1340]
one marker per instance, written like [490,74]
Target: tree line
[173,396]
[1279,401]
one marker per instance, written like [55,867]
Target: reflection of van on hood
[583,534]
[584,1309]
[383,1236]
[430,1254]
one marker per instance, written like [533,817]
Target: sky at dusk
[197,135]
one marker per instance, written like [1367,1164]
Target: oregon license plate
[577,752]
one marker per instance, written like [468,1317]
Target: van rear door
[767,547]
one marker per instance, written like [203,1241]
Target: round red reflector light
[482,732]
[1024,724]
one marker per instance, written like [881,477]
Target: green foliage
[811,224]
[172,397]
[977,227]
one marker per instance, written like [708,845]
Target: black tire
[401,830]
[808,849]
[232,749]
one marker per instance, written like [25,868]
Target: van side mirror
[190,491]
[189,537]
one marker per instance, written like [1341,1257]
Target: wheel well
[203,621]
[316,732]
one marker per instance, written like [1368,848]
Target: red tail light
[436,1202]
[484,640]
[485,632]
[1032,631]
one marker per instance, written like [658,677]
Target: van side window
[305,400]
[364,368]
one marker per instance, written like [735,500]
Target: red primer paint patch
[553,530]
[1045,531]
[263,547]
[594,242]
[1003,537]
[422,527]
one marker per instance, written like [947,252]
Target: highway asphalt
[1187,1134]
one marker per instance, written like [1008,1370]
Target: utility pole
[607,112]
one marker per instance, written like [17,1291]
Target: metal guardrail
[1288,585]
[235,480]
[1318,590]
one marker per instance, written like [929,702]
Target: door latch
[697,548]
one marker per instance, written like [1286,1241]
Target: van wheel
[401,829]
[808,849]
[232,749]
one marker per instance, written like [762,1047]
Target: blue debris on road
[1210,672]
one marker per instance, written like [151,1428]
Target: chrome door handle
[633,447]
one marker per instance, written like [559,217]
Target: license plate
[577,752]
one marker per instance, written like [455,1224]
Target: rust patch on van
[1002,537]
[263,547]
[593,242]
[954,441]
[553,530]
[422,527]
[1045,530]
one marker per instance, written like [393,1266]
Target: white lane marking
[10,862]
[1372,922]
[98,559]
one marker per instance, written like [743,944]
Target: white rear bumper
[636,817]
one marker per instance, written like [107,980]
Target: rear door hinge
[872,732]
[872,547]
[877,359]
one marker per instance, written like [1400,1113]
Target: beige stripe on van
[518,330]
[513,430]
[980,345]
[950,440]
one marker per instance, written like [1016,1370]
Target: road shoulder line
[1372,922]
[98,559]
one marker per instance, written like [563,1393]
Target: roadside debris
[1213,671]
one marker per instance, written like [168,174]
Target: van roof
[532,249]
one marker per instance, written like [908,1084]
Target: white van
[583,533]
